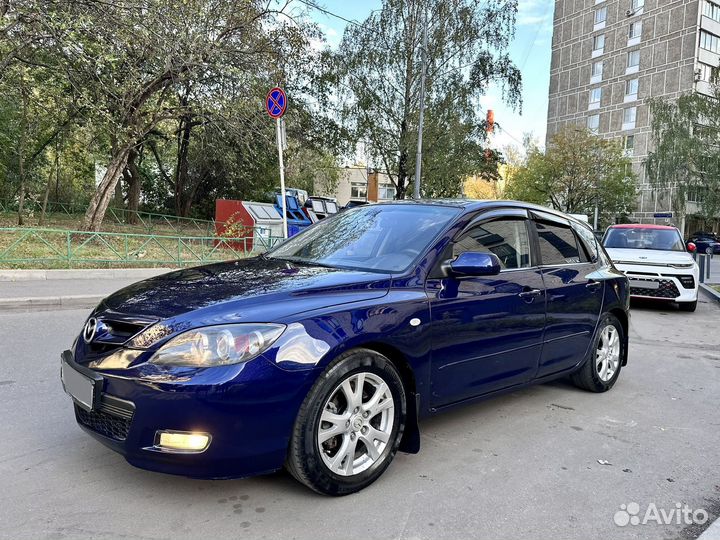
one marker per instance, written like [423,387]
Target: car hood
[648,256]
[271,286]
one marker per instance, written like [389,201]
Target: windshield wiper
[305,262]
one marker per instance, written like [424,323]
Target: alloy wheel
[356,424]
[607,359]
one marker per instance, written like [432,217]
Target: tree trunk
[21,198]
[41,222]
[181,170]
[99,203]
[134,186]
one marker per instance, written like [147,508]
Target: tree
[128,62]
[577,171]
[686,155]
[376,74]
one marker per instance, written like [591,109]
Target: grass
[74,222]
[49,249]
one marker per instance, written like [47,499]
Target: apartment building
[610,56]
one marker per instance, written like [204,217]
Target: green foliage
[686,155]
[377,71]
[577,170]
[165,92]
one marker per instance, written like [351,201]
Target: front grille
[114,329]
[112,418]
[667,289]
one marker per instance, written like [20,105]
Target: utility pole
[418,162]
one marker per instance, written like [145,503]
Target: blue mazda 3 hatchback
[322,355]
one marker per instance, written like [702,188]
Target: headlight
[217,345]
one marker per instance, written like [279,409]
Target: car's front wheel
[350,424]
[601,369]
[688,306]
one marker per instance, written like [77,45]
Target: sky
[530,51]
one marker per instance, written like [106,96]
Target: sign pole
[282,176]
[276,104]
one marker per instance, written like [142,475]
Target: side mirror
[474,264]
[692,248]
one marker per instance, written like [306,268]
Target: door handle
[530,294]
[594,285]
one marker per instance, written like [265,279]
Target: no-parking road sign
[276,102]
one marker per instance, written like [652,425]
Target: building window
[711,10]
[633,61]
[601,16]
[631,89]
[629,118]
[593,123]
[595,98]
[635,30]
[705,73]
[598,45]
[709,41]
[597,71]
[629,145]
[358,190]
[637,5]
[386,191]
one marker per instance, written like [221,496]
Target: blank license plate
[78,386]
[642,284]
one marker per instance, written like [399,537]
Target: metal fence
[149,221]
[20,246]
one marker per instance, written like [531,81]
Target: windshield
[381,238]
[643,238]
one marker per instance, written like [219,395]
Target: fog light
[182,441]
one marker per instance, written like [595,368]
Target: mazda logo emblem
[90,329]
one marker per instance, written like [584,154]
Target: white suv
[656,262]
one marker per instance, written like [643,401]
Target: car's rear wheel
[688,306]
[602,368]
[350,424]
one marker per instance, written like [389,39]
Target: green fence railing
[149,221]
[23,247]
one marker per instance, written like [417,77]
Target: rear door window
[557,244]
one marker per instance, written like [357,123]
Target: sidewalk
[25,290]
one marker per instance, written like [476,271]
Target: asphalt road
[524,465]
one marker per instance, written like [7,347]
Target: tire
[594,374]
[330,407]
[688,306]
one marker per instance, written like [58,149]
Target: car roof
[479,204]
[643,226]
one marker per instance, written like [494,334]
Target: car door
[487,331]
[574,298]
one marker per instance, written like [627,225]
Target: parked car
[322,355]
[656,261]
[354,204]
[705,242]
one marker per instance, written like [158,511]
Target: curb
[710,292]
[45,303]
[712,532]
[105,273]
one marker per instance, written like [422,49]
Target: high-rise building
[610,56]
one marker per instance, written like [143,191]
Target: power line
[537,34]
[330,13]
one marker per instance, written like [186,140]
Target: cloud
[535,12]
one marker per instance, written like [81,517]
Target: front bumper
[662,283]
[248,409]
